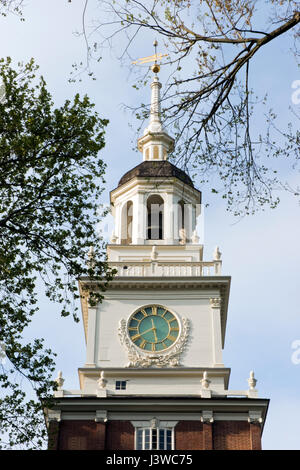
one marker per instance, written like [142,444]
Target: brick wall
[81,435]
[189,435]
[119,435]
[255,436]
[221,435]
[231,435]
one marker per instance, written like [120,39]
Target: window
[120,384]
[126,223]
[155,216]
[154,439]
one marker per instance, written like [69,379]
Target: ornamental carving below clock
[154,337]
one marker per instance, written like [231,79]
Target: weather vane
[152,58]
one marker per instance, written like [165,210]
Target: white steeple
[155,143]
[155,124]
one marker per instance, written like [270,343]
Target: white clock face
[153,328]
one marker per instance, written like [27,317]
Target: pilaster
[169,219]
[91,338]
[255,436]
[207,420]
[139,219]
[53,435]
[215,304]
[255,420]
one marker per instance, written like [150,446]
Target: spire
[155,124]
[155,143]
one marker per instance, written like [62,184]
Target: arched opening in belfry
[155,152]
[181,229]
[126,223]
[155,218]
[180,215]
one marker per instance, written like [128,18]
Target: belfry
[154,377]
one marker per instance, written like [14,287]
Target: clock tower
[154,376]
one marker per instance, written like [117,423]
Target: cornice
[174,404]
[168,184]
[151,282]
[160,246]
[155,137]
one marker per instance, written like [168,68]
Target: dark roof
[152,169]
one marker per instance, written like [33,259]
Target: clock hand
[146,331]
[154,330]
[138,335]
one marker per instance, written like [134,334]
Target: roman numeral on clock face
[154,310]
[171,338]
[135,337]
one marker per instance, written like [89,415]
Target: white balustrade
[167,268]
[214,393]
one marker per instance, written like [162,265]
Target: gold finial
[155,67]
[152,58]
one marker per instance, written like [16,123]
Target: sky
[260,252]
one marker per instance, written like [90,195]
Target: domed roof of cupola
[156,169]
